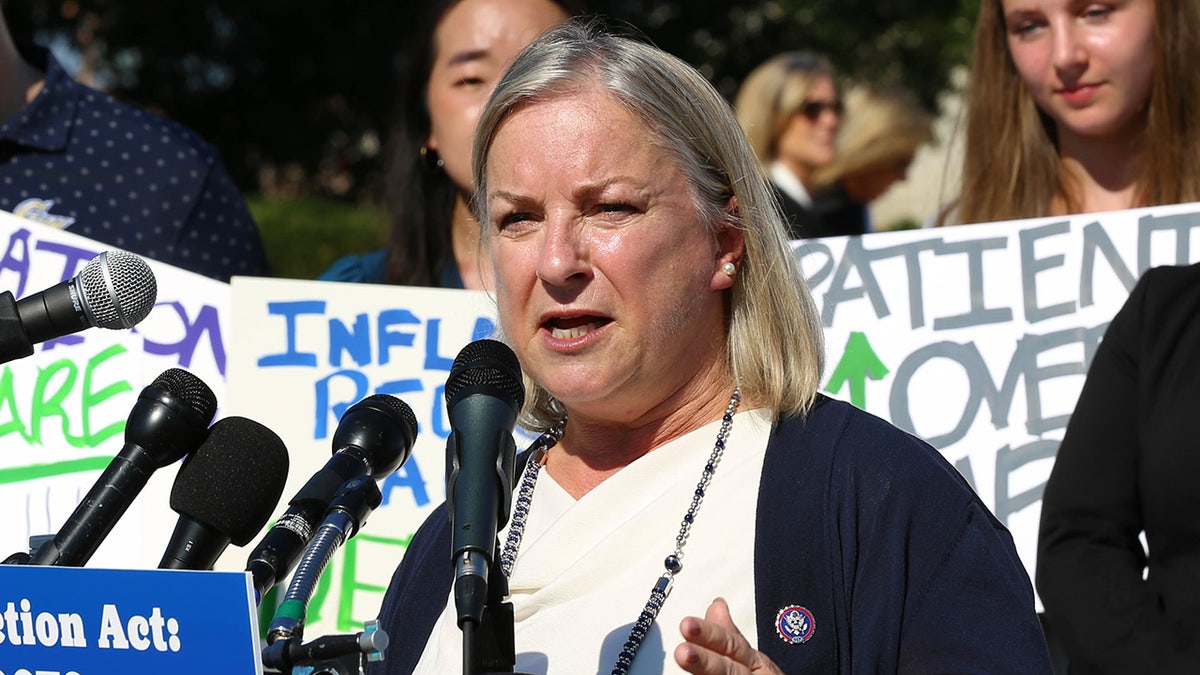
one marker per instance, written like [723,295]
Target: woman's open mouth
[573,327]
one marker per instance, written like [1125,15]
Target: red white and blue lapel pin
[795,624]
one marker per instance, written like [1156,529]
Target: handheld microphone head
[381,425]
[484,395]
[486,366]
[171,416]
[116,289]
[234,481]
[373,438]
[225,492]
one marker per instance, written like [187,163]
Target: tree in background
[298,95]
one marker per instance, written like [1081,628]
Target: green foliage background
[304,234]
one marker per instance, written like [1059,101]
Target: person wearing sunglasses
[790,109]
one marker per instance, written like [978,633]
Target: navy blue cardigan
[901,565]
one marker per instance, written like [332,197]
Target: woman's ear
[731,248]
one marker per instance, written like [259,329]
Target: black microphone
[484,394]
[114,290]
[373,438]
[169,420]
[225,492]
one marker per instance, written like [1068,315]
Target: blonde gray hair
[775,348]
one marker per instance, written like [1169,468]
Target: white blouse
[585,568]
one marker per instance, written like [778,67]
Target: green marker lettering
[8,399]
[92,399]
[46,407]
[858,363]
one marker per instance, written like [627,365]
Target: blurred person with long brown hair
[884,128]
[1080,108]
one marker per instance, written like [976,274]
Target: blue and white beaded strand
[674,562]
[537,457]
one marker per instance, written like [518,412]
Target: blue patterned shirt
[75,158]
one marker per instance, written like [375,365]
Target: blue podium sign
[80,621]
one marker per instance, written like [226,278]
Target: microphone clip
[490,645]
[14,342]
[329,654]
[348,511]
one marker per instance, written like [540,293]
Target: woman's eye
[515,218]
[1024,28]
[615,208]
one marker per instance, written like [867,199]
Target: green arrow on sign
[858,363]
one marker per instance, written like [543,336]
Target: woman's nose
[562,256]
[1070,56]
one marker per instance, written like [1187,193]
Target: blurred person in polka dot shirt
[75,158]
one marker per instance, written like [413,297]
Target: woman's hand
[714,646]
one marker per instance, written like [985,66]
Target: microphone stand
[285,647]
[489,647]
[329,654]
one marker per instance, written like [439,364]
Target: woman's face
[1088,65]
[807,141]
[609,283]
[473,44]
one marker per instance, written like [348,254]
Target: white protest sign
[977,338]
[63,409]
[304,351]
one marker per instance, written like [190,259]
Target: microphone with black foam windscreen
[169,420]
[484,394]
[114,290]
[225,492]
[373,438]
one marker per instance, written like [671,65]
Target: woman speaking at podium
[644,281]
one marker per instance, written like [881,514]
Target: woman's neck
[474,268]
[1102,174]
[594,449]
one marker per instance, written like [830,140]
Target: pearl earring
[729,269]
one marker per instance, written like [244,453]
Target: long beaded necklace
[673,562]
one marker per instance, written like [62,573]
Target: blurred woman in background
[790,110]
[445,81]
